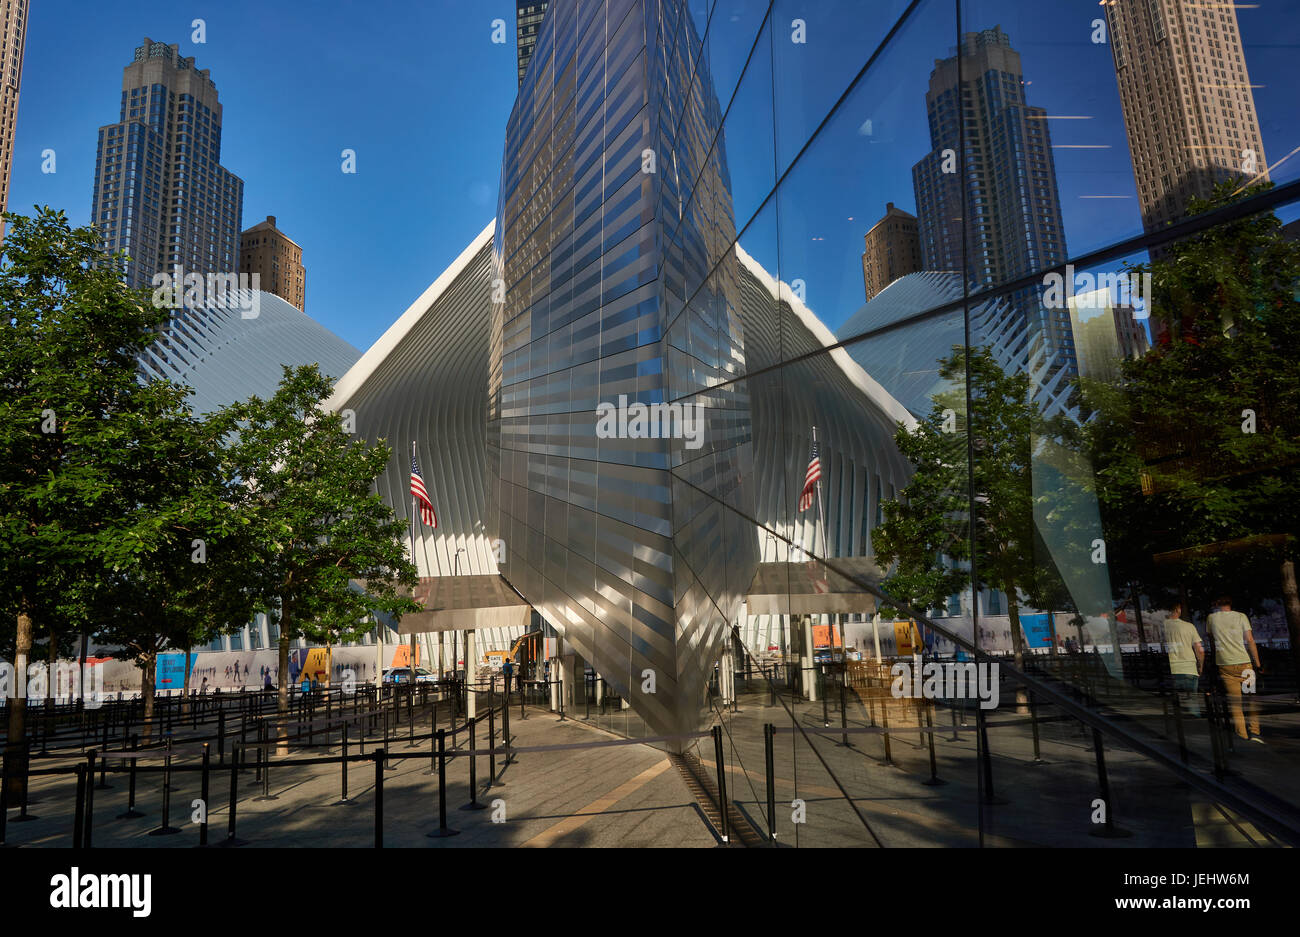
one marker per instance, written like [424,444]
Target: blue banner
[169,673]
[1038,632]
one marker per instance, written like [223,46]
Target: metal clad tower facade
[612,217]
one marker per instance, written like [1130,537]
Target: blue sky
[417,89]
[422,94]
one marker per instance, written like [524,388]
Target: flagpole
[410,651]
[428,565]
[821,521]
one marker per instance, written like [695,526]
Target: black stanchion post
[443,830]
[4,798]
[380,755]
[722,780]
[231,840]
[387,766]
[473,768]
[264,765]
[221,734]
[492,747]
[844,717]
[203,796]
[131,812]
[769,764]
[934,780]
[505,727]
[1107,827]
[884,724]
[79,818]
[166,829]
[90,799]
[343,765]
[1033,723]
[1178,722]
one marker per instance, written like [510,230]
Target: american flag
[427,517]
[810,480]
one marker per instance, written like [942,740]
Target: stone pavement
[620,795]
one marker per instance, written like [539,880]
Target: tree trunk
[16,739]
[1017,646]
[282,694]
[148,676]
[1291,602]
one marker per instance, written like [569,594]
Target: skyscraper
[161,194]
[892,248]
[528,19]
[277,260]
[1186,97]
[1008,176]
[14,20]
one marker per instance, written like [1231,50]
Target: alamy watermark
[66,683]
[651,421]
[945,680]
[1097,291]
[241,291]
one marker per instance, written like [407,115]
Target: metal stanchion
[203,795]
[131,812]
[473,767]
[492,748]
[264,768]
[231,839]
[79,817]
[379,756]
[884,723]
[166,829]
[387,765]
[90,798]
[343,767]
[933,780]
[1107,828]
[505,727]
[443,830]
[844,717]
[769,763]
[1033,723]
[722,780]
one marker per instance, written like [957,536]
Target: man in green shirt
[1186,656]
[1234,651]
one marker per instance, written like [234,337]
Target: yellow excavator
[498,658]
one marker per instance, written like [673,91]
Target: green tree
[326,551]
[79,483]
[926,534]
[1197,444]
[195,583]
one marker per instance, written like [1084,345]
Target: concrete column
[727,675]
[471,669]
[555,690]
[573,682]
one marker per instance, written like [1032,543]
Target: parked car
[403,675]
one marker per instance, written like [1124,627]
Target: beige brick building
[892,249]
[1186,98]
[12,39]
[267,251]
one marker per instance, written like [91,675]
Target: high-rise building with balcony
[1186,96]
[276,258]
[161,193]
[13,21]
[891,249]
[996,159]
[528,20]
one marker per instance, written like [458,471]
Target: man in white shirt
[1186,656]
[1234,651]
